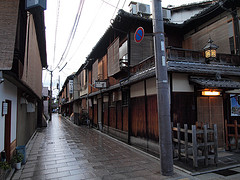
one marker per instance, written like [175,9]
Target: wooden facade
[127,107]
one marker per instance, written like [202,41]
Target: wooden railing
[179,54]
[232,128]
[198,148]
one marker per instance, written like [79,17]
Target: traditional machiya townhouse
[80,82]
[120,74]
[22,57]
[66,97]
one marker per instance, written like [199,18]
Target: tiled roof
[214,83]
[202,68]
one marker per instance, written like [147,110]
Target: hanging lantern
[210,51]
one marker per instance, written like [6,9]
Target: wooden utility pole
[163,98]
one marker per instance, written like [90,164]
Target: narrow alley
[66,151]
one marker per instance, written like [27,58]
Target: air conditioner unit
[143,9]
[166,14]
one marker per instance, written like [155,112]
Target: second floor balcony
[189,61]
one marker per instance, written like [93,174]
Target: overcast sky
[94,20]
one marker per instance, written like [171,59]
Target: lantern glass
[213,53]
[207,53]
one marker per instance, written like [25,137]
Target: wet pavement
[66,151]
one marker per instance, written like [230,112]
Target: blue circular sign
[139,34]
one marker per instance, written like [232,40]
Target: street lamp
[210,51]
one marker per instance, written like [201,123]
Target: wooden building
[65,97]
[127,107]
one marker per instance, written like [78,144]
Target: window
[123,51]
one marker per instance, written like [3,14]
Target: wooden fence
[229,129]
[196,143]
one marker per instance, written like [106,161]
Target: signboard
[70,86]
[235,107]
[139,34]
[100,84]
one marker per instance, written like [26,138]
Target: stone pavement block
[139,173]
[68,168]
[114,176]
[58,175]
[73,177]
[50,166]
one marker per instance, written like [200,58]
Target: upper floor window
[123,55]
[113,58]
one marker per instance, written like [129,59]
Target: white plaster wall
[180,83]
[8,91]
[151,86]
[137,89]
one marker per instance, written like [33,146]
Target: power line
[85,35]
[72,34]
[115,9]
[58,9]
[123,4]
[73,30]
[109,4]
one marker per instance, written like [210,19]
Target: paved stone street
[65,151]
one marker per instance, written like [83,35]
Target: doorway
[100,114]
[210,111]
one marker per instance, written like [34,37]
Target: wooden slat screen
[113,58]
[142,50]
[105,67]
[95,71]
[100,70]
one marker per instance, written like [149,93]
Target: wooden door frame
[7,138]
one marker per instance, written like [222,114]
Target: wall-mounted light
[211,93]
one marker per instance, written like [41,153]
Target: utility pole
[50,102]
[163,98]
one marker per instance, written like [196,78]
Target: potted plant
[5,167]
[17,160]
